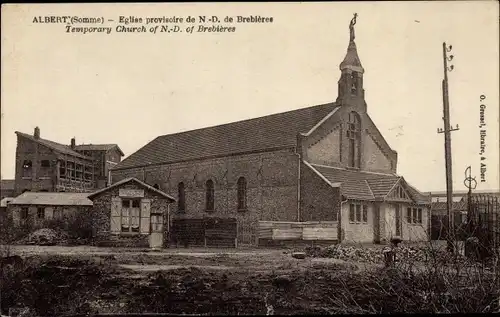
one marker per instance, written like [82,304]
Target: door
[398,221]
[156,236]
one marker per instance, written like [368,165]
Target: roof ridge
[371,191]
[247,120]
[358,171]
[52,144]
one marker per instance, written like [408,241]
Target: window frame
[181,197]
[209,196]
[414,215]
[24,213]
[358,213]
[27,169]
[128,207]
[354,140]
[40,211]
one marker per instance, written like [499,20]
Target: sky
[129,88]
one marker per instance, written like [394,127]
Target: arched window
[242,193]
[210,195]
[354,136]
[27,168]
[181,197]
[354,83]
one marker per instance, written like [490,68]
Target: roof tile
[263,133]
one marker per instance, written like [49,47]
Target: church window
[354,136]
[242,193]
[181,197]
[210,192]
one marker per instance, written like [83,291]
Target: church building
[327,162]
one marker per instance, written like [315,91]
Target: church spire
[351,60]
[350,86]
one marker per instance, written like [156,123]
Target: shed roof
[52,199]
[128,180]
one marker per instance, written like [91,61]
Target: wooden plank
[320,234]
[266,233]
[285,234]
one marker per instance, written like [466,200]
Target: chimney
[73,143]
[36,134]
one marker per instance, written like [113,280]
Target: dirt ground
[145,260]
[57,280]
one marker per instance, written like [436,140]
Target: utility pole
[447,145]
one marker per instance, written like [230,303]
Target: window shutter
[145,215]
[115,215]
[49,213]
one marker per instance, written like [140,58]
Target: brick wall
[328,144]
[102,217]
[374,159]
[318,200]
[271,187]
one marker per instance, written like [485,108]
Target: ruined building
[47,166]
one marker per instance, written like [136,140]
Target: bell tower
[350,85]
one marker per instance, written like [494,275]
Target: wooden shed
[131,213]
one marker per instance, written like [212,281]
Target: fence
[271,232]
[205,232]
[483,225]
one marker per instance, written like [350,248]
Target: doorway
[156,236]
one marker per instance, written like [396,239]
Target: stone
[299,255]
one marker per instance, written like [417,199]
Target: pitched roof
[352,58]
[61,148]
[52,199]
[7,184]
[98,147]
[365,185]
[263,133]
[127,180]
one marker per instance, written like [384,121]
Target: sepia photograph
[279,158]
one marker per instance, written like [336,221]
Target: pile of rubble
[375,255]
[44,236]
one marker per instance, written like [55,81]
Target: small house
[131,213]
[35,209]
